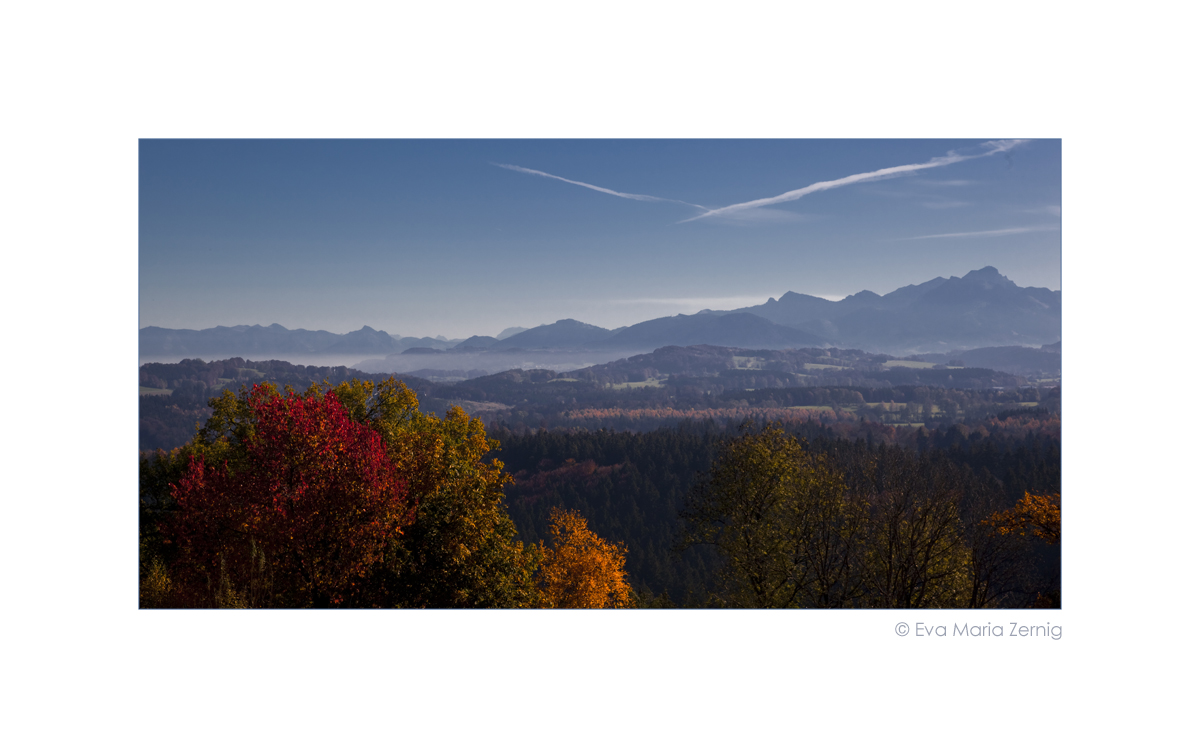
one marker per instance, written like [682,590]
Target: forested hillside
[641,393]
[632,487]
[610,468]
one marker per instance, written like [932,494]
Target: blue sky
[466,237]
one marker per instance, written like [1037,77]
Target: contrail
[993,232]
[992,146]
[605,190]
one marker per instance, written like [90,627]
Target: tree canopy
[779,517]
[858,527]
[339,496]
[1039,515]
[299,515]
[581,569]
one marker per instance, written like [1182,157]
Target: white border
[84,83]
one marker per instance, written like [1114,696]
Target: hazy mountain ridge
[275,339]
[733,329]
[437,344]
[982,309]
[249,338]
[476,342]
[565,333]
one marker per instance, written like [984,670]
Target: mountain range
[981,309]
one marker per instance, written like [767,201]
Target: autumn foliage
[580,569]
[862,527]
[350,496]
[347,496]
[1039,515]
[298,519]
[461,551]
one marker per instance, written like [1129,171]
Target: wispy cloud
[953,157]
[605,190]
[1053,210]
[763,216]
[991,232]
[940,204]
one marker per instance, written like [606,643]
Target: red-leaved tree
[300,517]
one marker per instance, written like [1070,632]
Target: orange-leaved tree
[1036,514]
[581,569]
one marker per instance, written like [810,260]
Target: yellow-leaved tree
[1037,514]
[581,569]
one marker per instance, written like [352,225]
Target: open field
[912,365]
[636,385]
[737,413]
[473,407]
[889,407]
[748,362]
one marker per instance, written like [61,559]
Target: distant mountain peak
[980,309]
[563,333]
[477,342]
[863,295]
[508,332]
[988,277]
[986,273]
[574,323]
